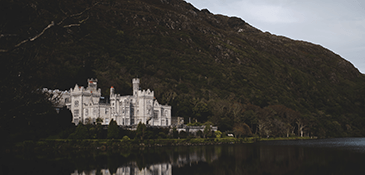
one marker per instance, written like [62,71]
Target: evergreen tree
[141,130]
[113,130]
[81,132]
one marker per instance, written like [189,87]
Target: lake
[323,156]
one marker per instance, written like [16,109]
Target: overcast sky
[338,25]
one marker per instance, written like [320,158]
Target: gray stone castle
[87,105]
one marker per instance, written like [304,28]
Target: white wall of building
[142,106]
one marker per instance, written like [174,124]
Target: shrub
[199,134]
[218,134]
[183,134]
[161,135]
[125,139]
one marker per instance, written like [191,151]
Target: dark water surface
[323,156]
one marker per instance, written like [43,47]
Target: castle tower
[92,84]
[135,82]
[112,91]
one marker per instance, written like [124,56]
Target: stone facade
[87,105]
[177,121]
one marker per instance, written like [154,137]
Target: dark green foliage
[218,134]
[199,134]
[194,124]
[125,132]
[113,130]
[161,135]
[141,131]
[183,134]
[175,133]
[81,132]
[207,132]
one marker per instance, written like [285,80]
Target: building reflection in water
[132,169]
[194,157]
[185,158]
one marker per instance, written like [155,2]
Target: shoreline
[104,145]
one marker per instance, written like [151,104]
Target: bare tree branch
[79,14]
[71,25]
[37,36]
[84,20]
[48,27]
[31,39]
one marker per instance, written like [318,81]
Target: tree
[175,133]
[278,128]
[81,132]
[236,109]
[199,134]
[113,130]
[207,129]
[301,125]
[263,120]
[200,110]
[287,116]
[99,128]
[183,134]
[241,129]
[99,120]
[161,135]
[218,134]
[141,131]
[250,118]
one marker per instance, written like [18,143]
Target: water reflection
[350,144]
[325,156]
[173,157]
[132,169]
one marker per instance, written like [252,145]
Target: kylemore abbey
[87,105]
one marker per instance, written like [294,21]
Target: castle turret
[92,84]
[112,91]
[135,82]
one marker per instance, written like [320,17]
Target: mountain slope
[206,66]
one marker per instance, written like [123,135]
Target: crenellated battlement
[93,80]
[147,93]
[88,91]
[135,80]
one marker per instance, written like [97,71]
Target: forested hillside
[209,67]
